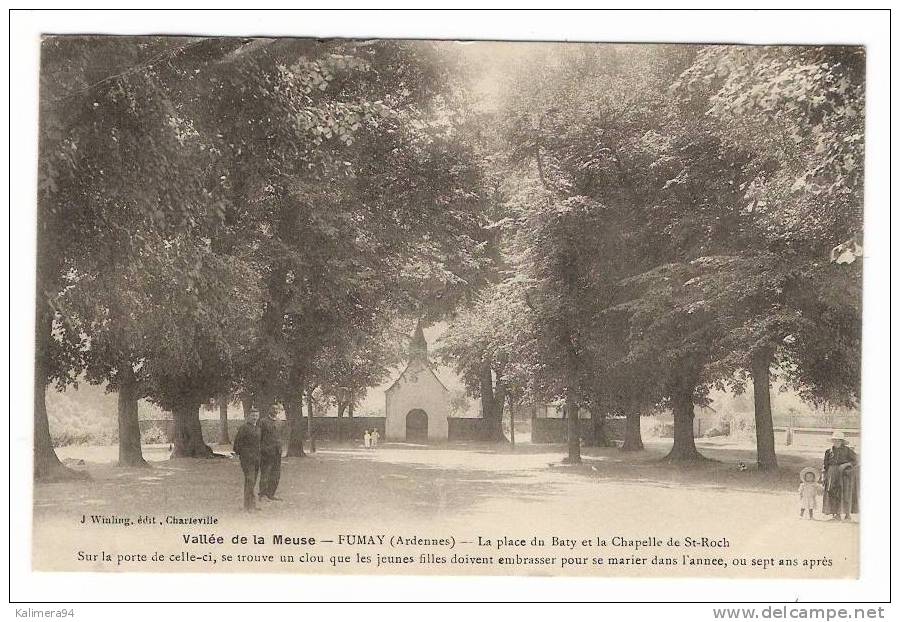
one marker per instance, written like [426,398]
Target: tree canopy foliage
[682,217]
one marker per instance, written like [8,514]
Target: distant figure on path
[375,438]
[246,446]
[809,490]
[840,479]
[270,458]
[367,440]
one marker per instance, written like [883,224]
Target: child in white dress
[367,440]
[809,490]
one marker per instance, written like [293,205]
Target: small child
[375,438]
[809,490]
[367,440]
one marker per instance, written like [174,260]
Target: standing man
[246,446]
[270,454]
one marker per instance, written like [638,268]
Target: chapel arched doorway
[417,425]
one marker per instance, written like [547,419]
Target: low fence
[812,437]
[468,429]
[324,428]
[554,429]
[543,430]
[340,429]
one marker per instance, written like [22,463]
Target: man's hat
[838,436]
[806,470]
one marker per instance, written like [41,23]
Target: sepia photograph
[394,306]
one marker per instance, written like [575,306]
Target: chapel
[417,404]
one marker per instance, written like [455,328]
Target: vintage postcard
[349,306]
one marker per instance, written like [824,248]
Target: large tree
[129,184]
[370,199]
[604,152]
[108,128]
[794,283]
[491,342]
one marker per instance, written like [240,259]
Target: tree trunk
[599,435]
[247,406]
[265,401]
[342,407]
[512,424]
[293,409]
[633,440]
[499,403]
[486,383]
[573,432]
[129,426]
[47,467]
[603,439]
[573,424]
[349,416]
[188,433]
[489,403]
[592,439]
[762,411]
[224,438]
[683,447]
[46,463]
[278,292]
[310,430]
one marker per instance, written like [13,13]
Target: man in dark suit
[246,446]
[270,458]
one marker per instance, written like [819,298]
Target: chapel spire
[418,347]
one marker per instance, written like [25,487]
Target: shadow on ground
[343,483]
[721,472]
[403,481]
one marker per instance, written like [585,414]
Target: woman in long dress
[839,474]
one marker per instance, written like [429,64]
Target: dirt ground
[463,493]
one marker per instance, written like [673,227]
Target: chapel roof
[418,354]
